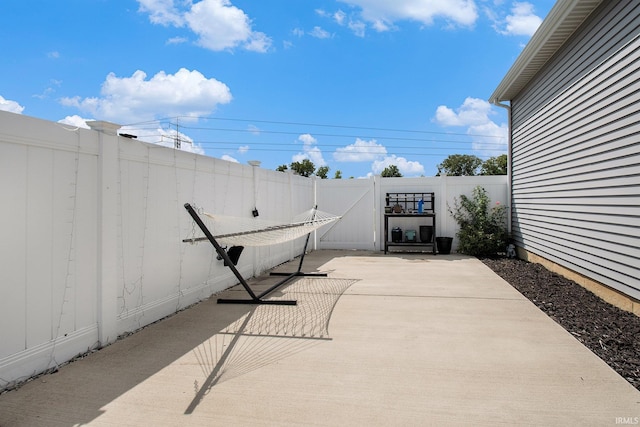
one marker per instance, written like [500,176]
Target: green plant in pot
[482,230]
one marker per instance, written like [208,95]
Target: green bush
[483,230]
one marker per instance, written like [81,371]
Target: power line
[172,121]
[340,126]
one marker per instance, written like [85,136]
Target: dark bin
[426,233]
[396,235]
[444,244]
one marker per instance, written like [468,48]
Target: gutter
[507,107]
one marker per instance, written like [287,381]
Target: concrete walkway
[386,340]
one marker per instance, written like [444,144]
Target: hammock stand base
[254,298]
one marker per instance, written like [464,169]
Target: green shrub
[483,230]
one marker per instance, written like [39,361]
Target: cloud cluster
[360,151]
[310,151]
[406,167]
[521,21]
[11,106]
[217,24]
[382,14]
[475,115]
[136,98]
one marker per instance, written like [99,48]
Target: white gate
[355,201]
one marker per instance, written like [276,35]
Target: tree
[338,175]
[303,168]
[391,171]
[322,172]
[460,165]
[282,168]
[495,166]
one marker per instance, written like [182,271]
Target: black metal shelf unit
[410,205]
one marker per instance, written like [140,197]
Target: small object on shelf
[420,204]
[426,233]
[396,235]
[410,236]
[397,208]
[387,209]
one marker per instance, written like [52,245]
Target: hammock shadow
[269,333]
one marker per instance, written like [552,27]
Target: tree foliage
[303,168]
[282,168]
[391,171]
[338,174]
[460,165]
[322,172]
[494,166]
[482,230]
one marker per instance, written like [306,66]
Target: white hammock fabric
[234,231]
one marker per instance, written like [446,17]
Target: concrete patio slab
[392,339]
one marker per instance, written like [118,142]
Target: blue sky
[355,85]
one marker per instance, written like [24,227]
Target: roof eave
[563,20]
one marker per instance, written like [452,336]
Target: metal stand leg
[255,299]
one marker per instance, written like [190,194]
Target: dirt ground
[611,333]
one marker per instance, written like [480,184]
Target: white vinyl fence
[92,228]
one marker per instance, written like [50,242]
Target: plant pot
[426,233]
[410,236]
[444,244]
[396,235]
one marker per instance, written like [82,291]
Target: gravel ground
[611,333]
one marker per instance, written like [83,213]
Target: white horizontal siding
[576,153]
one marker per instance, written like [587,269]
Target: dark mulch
[611,333]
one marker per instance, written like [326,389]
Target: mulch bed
[611,333]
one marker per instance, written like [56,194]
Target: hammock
[259,234]
[234,231]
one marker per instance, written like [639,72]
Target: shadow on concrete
[227,340]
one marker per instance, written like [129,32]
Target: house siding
[576,152]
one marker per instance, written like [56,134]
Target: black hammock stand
[231,257]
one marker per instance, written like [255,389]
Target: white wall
[92,226]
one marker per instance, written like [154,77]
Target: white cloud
[218,24]
[381,14]
[134,99]
[310,151]
[164,137]
[360,151]
[162,12]
[229,158]
[472,112]
[319,33]
[521,22]
[487,137]
[177,40]
[358,28]
[340,17]
[406,167]
[75,121]
[243,149]
[307,139]
[11,106]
